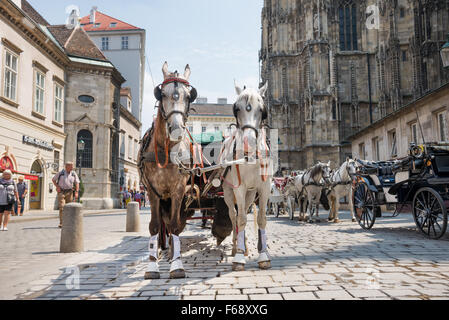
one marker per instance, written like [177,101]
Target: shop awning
[206,138]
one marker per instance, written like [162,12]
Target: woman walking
[8,196]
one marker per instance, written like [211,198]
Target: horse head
[321,171]
[351,167]
[175,95]
[250,113]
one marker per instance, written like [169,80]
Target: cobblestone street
[310,261]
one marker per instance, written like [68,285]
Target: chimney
[92,14]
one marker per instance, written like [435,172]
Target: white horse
[341,186]
[310,184]
[243,182]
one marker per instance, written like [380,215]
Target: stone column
[133,217]
[72,234]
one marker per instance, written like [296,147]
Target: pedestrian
[127,197]
[138,199]
[67,185]
[8,196]
[22,189]
[142,197]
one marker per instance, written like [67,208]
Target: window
[56,161]
[347,14]
[190,129]
[84,157]
[130,147]
[129,105]
[217,129]
[125,43]
[59,101]
[402,12]
[203,129]
[376,149]
[11,69]
[113,25]
[105,43]
[39,92]
[97,25]
[404,56]
[86,99]
[362,153]
[442,128]
[334,110]
[393,143]
[136,149]
[414,133]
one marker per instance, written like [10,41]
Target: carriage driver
[67,185]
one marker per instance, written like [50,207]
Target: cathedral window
[347,16]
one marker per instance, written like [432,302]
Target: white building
[124,45]
[210,118]
[32,91]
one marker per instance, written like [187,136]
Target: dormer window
[97,25]
[113,24]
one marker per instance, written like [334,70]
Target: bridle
[236,110]
[158,94]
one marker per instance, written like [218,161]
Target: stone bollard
[72,234]
[133,217]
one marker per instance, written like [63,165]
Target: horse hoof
[177,274]
[152,275]
[354,220]
[238,267]
[265,265]
[336,221]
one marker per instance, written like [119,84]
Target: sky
[220,40]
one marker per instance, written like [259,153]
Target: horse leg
[152,271]
[230,202]
[264,259]
[176,267]
[311,204]
[337,207]
[351,203]
[332,203]
[239,261]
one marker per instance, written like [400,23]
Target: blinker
[248,108]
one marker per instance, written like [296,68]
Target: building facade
[32,91]
[130,135]
[92,117]
[390,137]
[210,118]
[335,67]
[124,45]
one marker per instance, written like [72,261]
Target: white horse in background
[311,184]
[243,182]
[341,186]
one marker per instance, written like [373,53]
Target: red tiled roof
[104,22]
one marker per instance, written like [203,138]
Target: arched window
[84,155]
[347,17]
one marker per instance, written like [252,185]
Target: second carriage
[420,181]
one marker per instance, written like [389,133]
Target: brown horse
[165,183]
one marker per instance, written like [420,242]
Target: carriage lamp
[445,54]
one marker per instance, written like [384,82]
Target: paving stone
[280,290]
[366,293]
[228,291]
[333,294]
[299,296]
[255,291]
[232,297]
[265,297]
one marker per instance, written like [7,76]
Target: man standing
[22,189]
[67,185]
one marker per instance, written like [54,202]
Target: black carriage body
[421,180]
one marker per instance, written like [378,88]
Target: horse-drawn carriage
[420,180]
[280,201]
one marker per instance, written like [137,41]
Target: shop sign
[6,164]
[38,143]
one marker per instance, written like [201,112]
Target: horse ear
[238,90]
[165,70]
[187,73]
[329,163]
[263,90]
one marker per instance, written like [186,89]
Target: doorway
[36,187]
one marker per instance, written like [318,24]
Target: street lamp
[445,53]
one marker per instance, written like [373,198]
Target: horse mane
[315,170]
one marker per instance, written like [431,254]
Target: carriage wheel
[290,209]
[364,206]
[430,213]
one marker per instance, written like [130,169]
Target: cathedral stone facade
[336,66]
